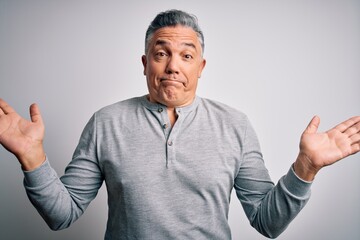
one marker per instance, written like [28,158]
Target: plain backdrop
[280,62]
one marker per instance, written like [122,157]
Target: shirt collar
[156,106]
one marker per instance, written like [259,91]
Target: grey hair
[172,18]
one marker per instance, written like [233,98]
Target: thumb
[313,125]
[35,113]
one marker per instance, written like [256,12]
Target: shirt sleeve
[61,201]
[270,208]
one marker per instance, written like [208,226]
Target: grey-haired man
[170,159]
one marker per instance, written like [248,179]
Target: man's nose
[172,65]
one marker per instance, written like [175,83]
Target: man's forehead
[161,42]
[181,34]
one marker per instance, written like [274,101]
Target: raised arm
[59,201]
[22,137]
[318,150]
[270,209]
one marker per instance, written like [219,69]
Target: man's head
[173,59]
[173,18]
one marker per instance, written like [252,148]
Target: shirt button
[170,143]
[164,126]
[160,110]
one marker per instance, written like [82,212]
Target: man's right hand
[22,137]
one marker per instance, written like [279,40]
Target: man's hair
[172,18]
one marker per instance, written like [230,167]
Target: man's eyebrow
[190,45]
[163,42]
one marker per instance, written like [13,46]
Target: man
[170,158]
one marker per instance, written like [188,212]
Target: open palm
[323,149]
[21,137]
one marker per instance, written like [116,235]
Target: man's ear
[144,62]
[202,66]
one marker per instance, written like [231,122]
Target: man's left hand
[318,150]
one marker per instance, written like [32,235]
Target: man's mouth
[171,80]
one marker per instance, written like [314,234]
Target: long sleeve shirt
[168,182]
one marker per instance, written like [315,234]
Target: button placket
[163,120]
[171,140]
[170,132]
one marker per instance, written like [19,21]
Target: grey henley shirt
[168,182]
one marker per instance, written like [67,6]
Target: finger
[355,138]
[5,108]
[313,125]
[355,148]
[35,113]
[342,127]
[354,129]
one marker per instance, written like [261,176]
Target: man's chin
[171,98]
[174,102]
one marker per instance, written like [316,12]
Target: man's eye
[188,56]
[161,54]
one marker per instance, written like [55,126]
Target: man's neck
[172,115]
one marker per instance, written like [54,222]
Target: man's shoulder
[120,107]
[222,109]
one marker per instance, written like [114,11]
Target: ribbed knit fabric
[168,182]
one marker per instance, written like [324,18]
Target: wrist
[304,168]
[33,159]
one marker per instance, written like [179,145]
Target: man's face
[172,65]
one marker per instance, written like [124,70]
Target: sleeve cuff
[39,176]
[296,185]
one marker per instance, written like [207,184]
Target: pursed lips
[171,80]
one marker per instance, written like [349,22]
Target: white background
[280,62]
